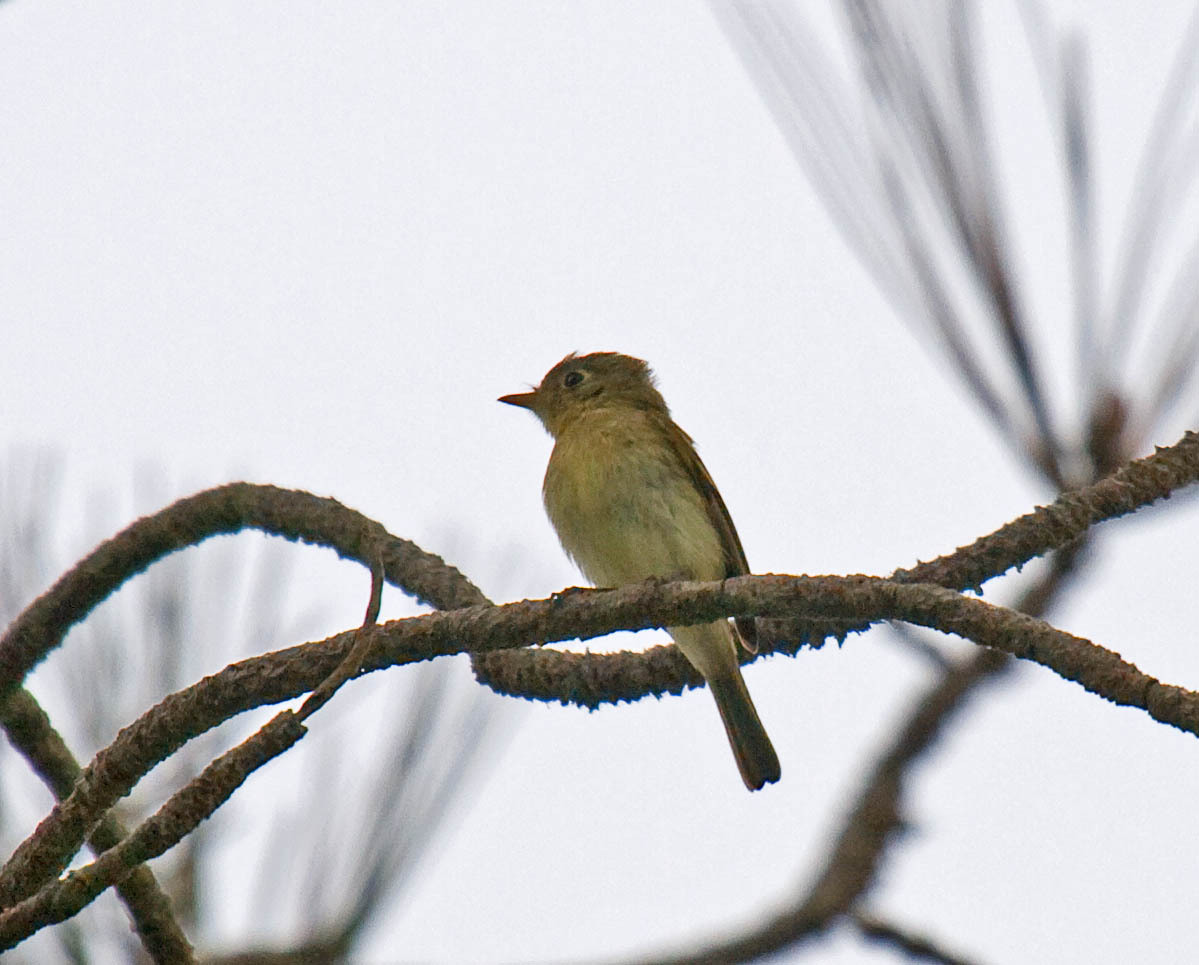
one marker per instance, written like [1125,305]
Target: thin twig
[351,666]
[918,948]
[1154,197]
[853,859]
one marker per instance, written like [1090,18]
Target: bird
[630,500]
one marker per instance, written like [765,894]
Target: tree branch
[65,898]
[226,509]
[591,679]
[872,823]
[585,614]
[42,626]
[915,947]
[853,858]
[31,733]
[855,601]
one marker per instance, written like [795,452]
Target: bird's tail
[756,759]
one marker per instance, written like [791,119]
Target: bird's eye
[572,379]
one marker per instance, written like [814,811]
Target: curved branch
[226,509]
[586,614]
[582,614]
[185,809]
[871,824]
[592,679]
[154,737]
[149,908]
[326,522]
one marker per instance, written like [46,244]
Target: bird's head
[584,383]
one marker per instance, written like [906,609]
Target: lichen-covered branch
[852,861]
[232,508]
[837,602]
[592,679]
[149,908]
[63,899]
[586,614]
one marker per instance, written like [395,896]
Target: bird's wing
[735,563]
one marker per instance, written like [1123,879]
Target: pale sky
[310,244]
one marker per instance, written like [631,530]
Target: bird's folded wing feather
[734,555]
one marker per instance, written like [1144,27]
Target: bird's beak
[526,400]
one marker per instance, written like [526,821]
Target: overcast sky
[309,244]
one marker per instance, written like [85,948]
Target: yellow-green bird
[630,500]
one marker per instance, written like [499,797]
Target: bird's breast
[625,509]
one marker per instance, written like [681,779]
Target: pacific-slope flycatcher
[630,500]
